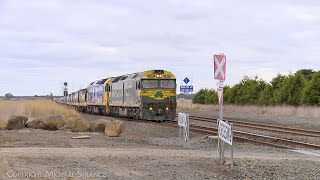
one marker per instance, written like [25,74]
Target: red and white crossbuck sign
[220,62]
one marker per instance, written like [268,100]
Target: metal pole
[232,161]
[191,99]
[219,149]
[188,126]
[221,118]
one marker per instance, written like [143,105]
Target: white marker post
[225,133]
[183,122]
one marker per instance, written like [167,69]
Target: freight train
[149,95]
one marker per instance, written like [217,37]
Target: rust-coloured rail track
[264,127]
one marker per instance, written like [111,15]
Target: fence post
[187,128]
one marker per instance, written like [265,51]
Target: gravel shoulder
[144,151]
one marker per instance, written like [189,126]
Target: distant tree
[248,91]
[200,96]
[211,97]
[300,88]
[8,96]
[51,94]
[289,90]
[294,88]
[311,92]
[265,97]
[307,73]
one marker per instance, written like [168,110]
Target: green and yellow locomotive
[149,95]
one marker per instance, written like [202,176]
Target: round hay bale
[99,125]
[56,120]
[114,129]
[80,125]
[3,123]
[17,122]
[34,123]
[70,123]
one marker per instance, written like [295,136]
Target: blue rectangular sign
[186,89]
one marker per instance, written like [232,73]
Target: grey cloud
[48,42]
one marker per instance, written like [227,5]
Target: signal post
[225,130]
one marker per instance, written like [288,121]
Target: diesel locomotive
[149,95]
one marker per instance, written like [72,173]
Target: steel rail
[253,137]
[267,127]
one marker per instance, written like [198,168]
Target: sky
[44,43]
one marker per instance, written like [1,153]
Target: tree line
[300,88]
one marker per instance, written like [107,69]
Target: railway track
[240,135]
[264,127]
[246,136]
[255,138]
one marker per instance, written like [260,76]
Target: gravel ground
[144,151]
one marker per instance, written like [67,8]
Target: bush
[300,88]
[8,96]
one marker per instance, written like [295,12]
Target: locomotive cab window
[150,84]
[168,84]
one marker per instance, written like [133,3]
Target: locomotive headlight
[150,108]
[167,109]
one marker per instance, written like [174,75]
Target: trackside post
[232,163]
[225,130]
[183,122]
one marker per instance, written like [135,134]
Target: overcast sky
[46,42]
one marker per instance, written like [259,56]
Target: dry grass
[301,111]
[33,108]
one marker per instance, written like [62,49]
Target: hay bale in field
[48,126]
[17,122]
[51,122]
[71,122]
[80,125]
[99,125]
[114,129]
[34,123]
[3,123]
[56,120]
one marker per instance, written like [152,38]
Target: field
[299,111]
[33,108]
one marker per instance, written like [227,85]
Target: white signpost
[225,131]
[186,89]
[183,122]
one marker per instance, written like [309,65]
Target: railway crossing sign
[186,80]
[225,131]
[220,63]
